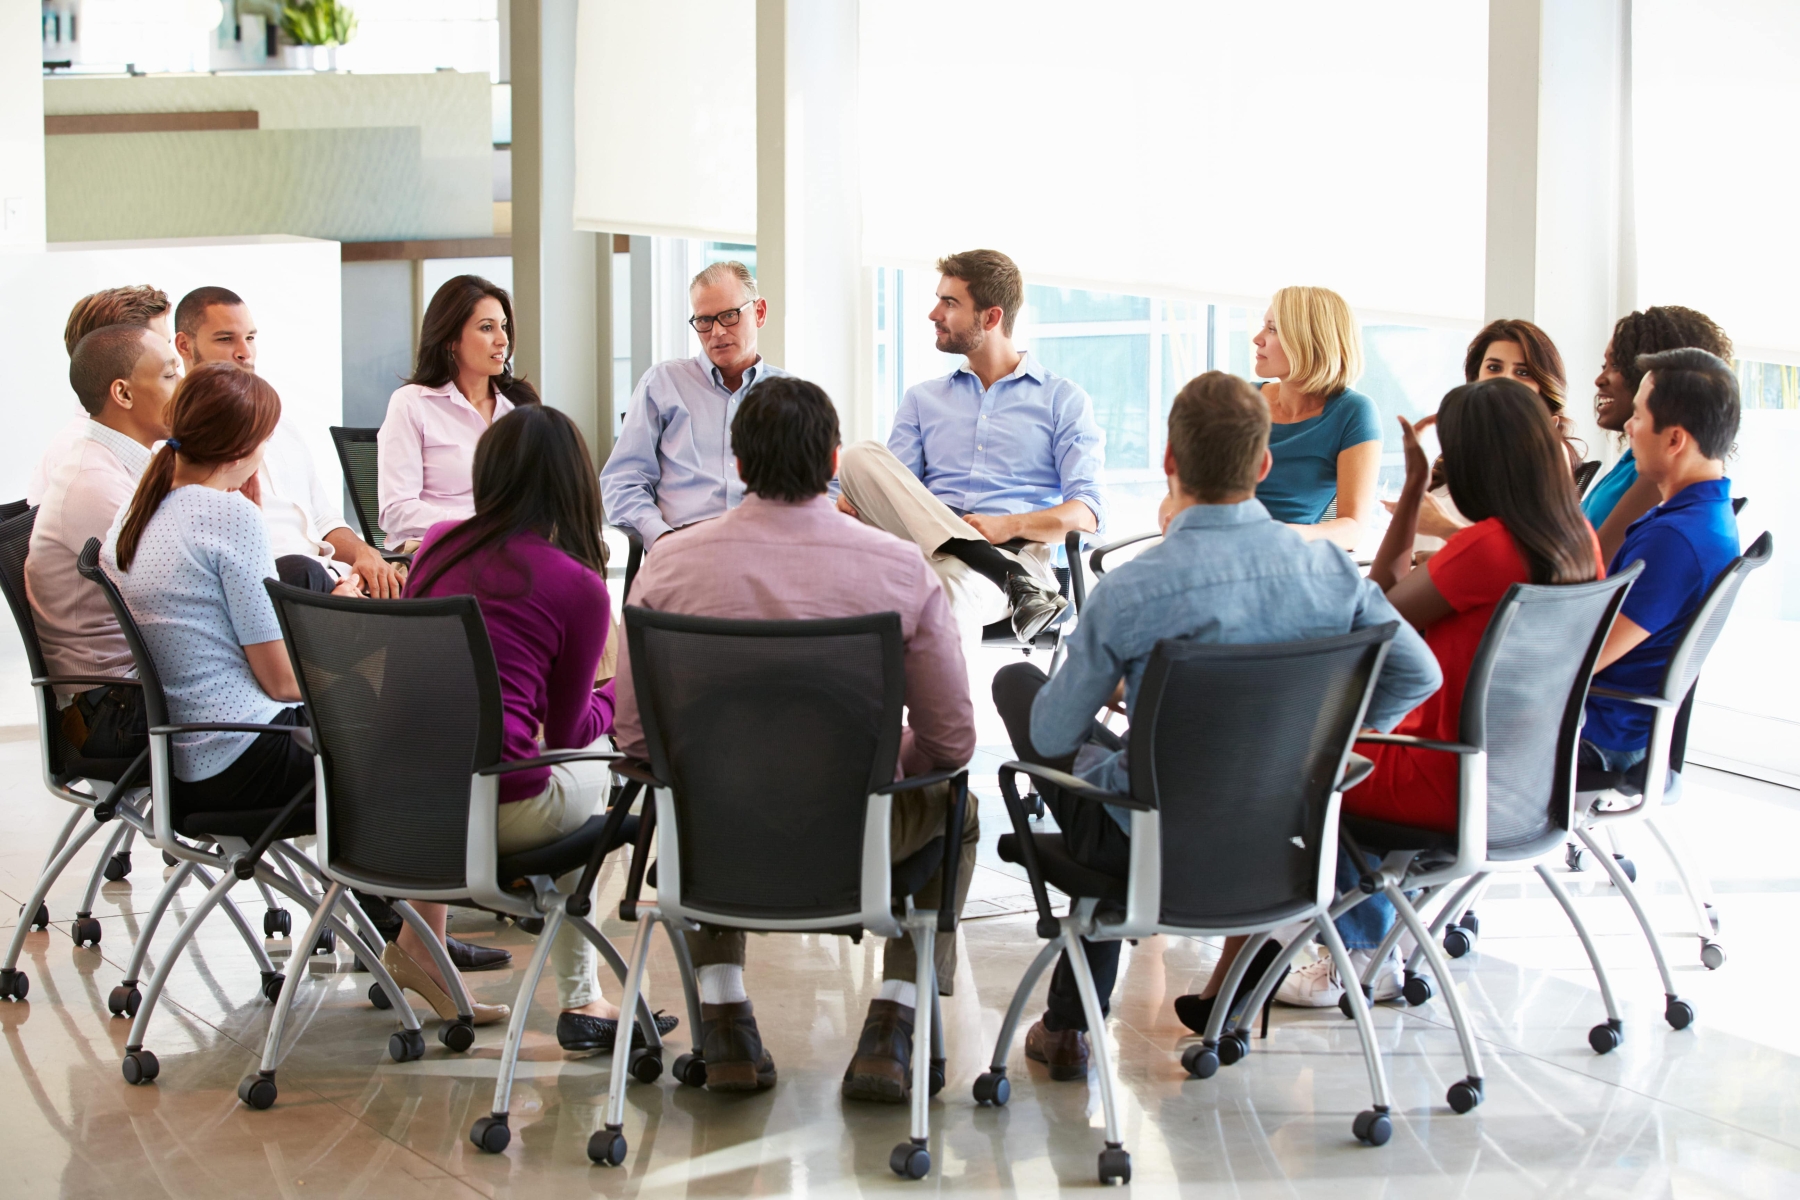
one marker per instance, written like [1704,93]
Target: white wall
[21,125]
[290,284]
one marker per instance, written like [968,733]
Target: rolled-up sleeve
[1080,450]
[1409,674]
[629,480]
[401,446]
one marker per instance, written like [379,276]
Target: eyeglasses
[728,318]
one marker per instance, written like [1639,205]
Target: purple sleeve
[577,713]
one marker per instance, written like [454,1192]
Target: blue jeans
[1363,927]
[1610,760]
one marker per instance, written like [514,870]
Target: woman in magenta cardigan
[533,555]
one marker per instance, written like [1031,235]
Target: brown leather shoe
[882,1067]
[1065,1053]
[733,1049]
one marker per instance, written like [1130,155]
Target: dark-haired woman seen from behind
[533,556]
[462,382]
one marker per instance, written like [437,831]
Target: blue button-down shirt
[672,464]
[1027,443]
[1225,573]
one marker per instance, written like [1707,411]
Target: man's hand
[384,580]
[848,509]
[997,528]
[349,585]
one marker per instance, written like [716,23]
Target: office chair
[361,461]
[101,789]
[1239,756]
[239,845]
[1641,793]
[1585,475]
[736,712]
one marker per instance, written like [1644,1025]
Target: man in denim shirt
[1225,572]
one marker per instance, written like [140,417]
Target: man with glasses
[672,465]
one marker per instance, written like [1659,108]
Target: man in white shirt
[124,376]
[314,547]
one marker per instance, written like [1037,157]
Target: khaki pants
[575,792]
[888,496]
[917,817]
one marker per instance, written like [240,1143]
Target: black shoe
[732,1047]
[387,922]
[476,958]
[1195,1011]
[1034,607]
[579,1033]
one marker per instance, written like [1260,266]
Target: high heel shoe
[1196,1011]
[410,975]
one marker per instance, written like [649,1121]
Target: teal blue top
[1604,496]
[1304,478]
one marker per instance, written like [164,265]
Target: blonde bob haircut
[1320,337]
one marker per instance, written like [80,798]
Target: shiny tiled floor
[1708,1112]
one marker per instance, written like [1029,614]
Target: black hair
[192,309]
[1697,391]
[783,436]
[1662,327]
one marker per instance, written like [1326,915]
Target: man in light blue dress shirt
[989,467]
[672,465]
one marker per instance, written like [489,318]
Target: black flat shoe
[579,1033]
[476,958]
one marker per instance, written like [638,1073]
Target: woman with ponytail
[462,382]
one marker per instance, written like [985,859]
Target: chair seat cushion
[107,770]
[1381,837]
[247,824]
[1061,871]
[567,853]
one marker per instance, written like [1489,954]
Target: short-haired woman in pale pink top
[462,382]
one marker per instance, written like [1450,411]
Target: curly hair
[1665,327]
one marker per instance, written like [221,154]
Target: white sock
[722,983]
[899,991]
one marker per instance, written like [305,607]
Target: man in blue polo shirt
[1683,422]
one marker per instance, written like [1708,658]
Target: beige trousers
[916,818]
[891,498]
[575,792]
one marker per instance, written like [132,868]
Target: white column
[809,202]
[21,124]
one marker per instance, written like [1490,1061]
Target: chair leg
[411,1044]
[440,954]
[607,1146]
[98,874]
[690,983]
[1374,1126]
[1234,978]
[490,1129]
[261,1086]
[243,927]
[1699,896]
[1010,1026]
[1466,1093]
[911,1159]
[134,1041]
[28,913]
[1113,1158]
[1607,1036]
[1265,987]
[1677,1012]
[646,1019]
[126,999]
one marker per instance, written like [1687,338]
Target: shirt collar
[1028,366]
[709,369]
[1707,491]
[1215,516]
[755,503]
[133,455]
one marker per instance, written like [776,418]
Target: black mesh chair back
[361,461]
[1708,622]
[13,508]
[403,698]
[15,541]
[1584,476]
[1523,703]
[772,735]
[1239,748]
[156,704]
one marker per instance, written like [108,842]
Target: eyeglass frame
[737,314]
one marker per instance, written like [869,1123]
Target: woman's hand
[349,585]
[1434,519]
[1418,467]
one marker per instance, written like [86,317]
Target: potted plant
[317,28]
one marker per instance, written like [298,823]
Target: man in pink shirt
[786,553]
[124,376]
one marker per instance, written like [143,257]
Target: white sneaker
[1388,981]
[1316,985]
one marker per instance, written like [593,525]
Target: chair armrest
[638,771]
[548,760]
[244,865]
[1099,554]
[919,781]
[953,823]
[299,733]
[1356,769]
[1047,925]
[1077,787]
[1598,689]
[1406,739]
[89,680]
[640,862]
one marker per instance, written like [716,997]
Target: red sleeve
[1476,566]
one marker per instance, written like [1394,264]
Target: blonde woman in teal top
[1325,438]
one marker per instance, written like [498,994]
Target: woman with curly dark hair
[1620,497]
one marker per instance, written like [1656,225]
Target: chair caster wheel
[1627,866]
[1416,990]
[258,1091]
[117,867]
[1034,805]
[456,1035]
[1344,1003]
[41,922]
[1679,1013]
[123,1000]
[1201,1062]
[646,1065]
[1457,941]
[1373,1128]
[1606,1037]
[993,1087]
[1471,922]
[1115,1165]
[1233,1048]
[169,860]
[937,1076]
[406,1045]
[690,1071]
[1712,955]
[14,983]
[490,1134]
[607,1147]
[378,996]
[327,943]
[910,1161]
[1464,1095]
[140,1066]
[86,931]
[278,922]
[271,985]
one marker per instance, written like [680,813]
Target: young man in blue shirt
[1683,422]
[1226,572]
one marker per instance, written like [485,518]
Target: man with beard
[988,467]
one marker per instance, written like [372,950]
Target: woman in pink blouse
[461,384]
